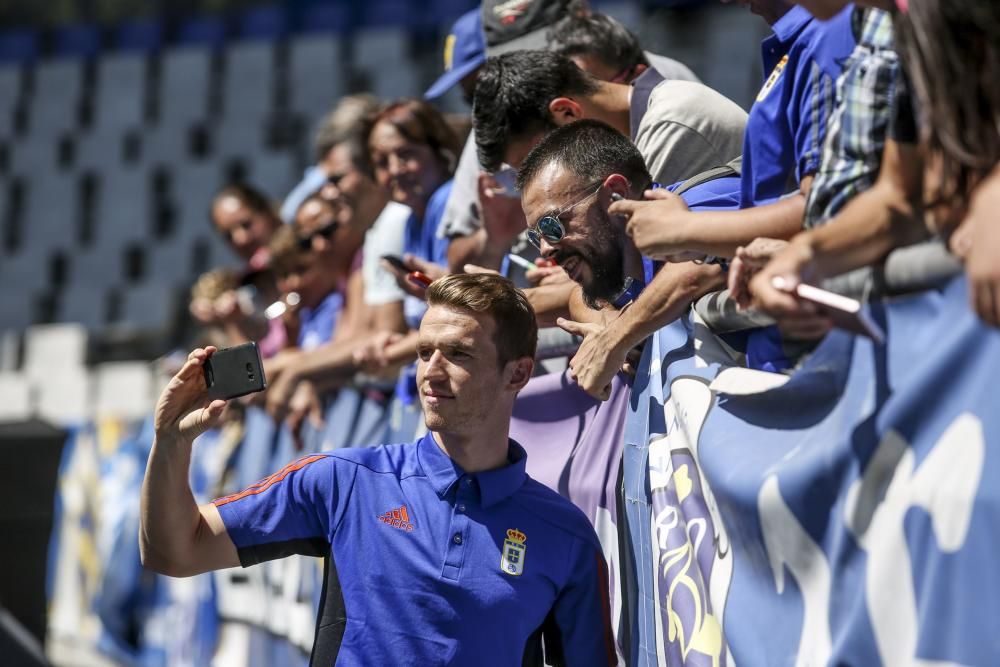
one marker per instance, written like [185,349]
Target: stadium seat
[121,86]
[166,144]
[194,185]
[446,11]
[18,303]
[248,85]
[66,402]
[184,86]
[51,215]
[139,35]
[124,208]
[85,304]
[99,150]
[382,56]
[325,17]
[97,266]
[148,308]
[316,77]
[76,41]
[384,13]
[31,155]
[206,31]
[15,398]
[170,261]
[10,95]
[274,173]
[240,136]
[58,86]
[18,46]
[268,22]
[123,390]
[10,350]
[50,348]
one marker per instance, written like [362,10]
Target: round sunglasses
[550,227]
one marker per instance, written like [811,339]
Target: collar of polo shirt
[494,485]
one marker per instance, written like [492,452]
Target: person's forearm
[479,249]
[327,366]
[550,302]
[666,298]
[388,317]
[404,350]
[873,224]
[720,233]
[170,521]
[463,250]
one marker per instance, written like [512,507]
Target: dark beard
[606,259]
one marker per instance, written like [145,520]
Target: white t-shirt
[385,237]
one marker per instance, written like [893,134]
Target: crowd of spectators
[617,190]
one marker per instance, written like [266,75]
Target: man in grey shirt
[599,45]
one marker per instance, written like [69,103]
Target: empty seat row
[123,390]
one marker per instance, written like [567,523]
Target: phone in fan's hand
[845,313]
[421,280]
[397,263]
[234,371]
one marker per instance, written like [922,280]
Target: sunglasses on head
[326,231]
[550,227]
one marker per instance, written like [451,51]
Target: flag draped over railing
[846,514]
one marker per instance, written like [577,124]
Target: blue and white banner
[847,514]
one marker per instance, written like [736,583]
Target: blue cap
[464,51]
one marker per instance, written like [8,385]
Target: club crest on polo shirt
[773,79]
[512,557]
[510,11]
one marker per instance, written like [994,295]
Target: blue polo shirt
[787,123]
[436,566]
[719,194]
[786,129]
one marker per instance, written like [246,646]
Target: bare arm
[663,226]
[177,537]
[550,302]
[667,297]
[887,216]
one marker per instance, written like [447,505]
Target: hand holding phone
[234,371]
[396,262]
[844,312]
[419,279]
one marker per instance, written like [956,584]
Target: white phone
[845,313]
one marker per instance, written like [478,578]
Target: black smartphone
[234,371]
[397,263]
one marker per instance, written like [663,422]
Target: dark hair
[512,98]
[285,250]
[516,333]
[592,151]
[598,36]
[249,196]
[420,123]
[951,49]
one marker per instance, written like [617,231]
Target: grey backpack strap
[731,169]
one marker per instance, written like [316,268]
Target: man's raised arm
[177,537]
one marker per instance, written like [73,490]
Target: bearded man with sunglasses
[568,181]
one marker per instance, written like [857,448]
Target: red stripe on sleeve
[268,482]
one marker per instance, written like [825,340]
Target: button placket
[458,530]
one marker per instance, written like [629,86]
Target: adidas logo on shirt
[397,518]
